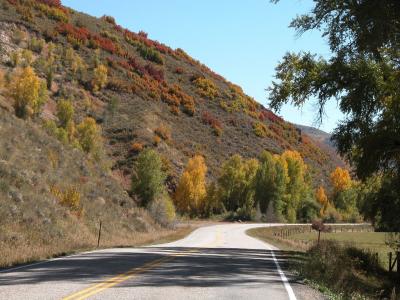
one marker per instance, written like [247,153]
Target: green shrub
[150,54]
[149,182]
[65,112]
[162,209]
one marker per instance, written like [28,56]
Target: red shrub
[209,119]
[136,66]
[142,34]
[267,114]
[157,74]
[105,43]
[109,19]
[78,33]
[54,3]
[179,70]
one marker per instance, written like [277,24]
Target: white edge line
[285,281]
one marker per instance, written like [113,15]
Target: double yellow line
[85,293]
[95,289]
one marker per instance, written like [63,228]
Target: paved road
[214,262]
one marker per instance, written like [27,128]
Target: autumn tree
[236,185]
[149,179]
[100,75]
[298,185]
[28,91]
[322,199]
[191,192]
[340,179]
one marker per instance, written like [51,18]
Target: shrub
[157,74]
[117,85]
[149,179]
[137,147]
[53,12]
[206,87]
[78,34]
[70,198]
[162,209]
[209,119]
[100,77]
[163,132]
[36,45]
[89,135]
[342,269]
[28,91]
[109,19]
[261,130]
[179,70]
[65,112]
[150,54]
[156,140]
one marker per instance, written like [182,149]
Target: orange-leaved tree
[322,199]
[191,191]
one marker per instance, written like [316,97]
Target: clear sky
[241,40]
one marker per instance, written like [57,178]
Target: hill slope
[152,91]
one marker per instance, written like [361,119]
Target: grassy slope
[31,220]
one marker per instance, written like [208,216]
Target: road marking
[95,289]
[85,293]
[285,281]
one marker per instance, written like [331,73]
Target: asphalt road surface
[214,262]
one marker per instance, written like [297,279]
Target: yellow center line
[95,289]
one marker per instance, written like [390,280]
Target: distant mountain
[323,139]
[317,134]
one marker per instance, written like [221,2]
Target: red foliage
[136,66]
[78,33]
[267,114]
[143,34]
[54,3]
[105,43]
[209,119]
[157,74]
[13,2]
[179,70]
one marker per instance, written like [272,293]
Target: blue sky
[241,40]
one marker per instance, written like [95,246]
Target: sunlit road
[214,262]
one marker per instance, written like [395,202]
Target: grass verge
[339,270]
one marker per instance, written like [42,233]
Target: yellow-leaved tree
[28,92]
[341,180]
[322,199]
[191,191]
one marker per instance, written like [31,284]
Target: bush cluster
[206,87]
[208,119]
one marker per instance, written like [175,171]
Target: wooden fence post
[98,240]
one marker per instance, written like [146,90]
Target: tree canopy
[362,75]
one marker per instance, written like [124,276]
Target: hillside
[152,87]
[142,94]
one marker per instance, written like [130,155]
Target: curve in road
[213,262]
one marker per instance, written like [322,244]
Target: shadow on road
[191,267]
